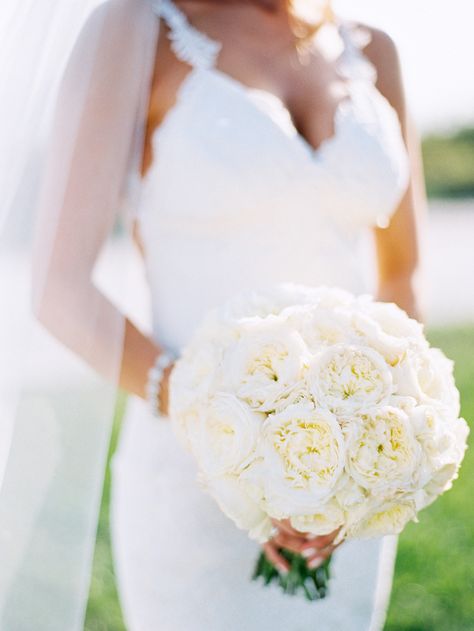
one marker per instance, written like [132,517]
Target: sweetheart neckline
[314,158]
[314,153]
[344,103]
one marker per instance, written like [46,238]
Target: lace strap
[353,63]
[188,44]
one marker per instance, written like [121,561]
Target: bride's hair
[308,15]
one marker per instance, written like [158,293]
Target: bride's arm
[397,246]
[71,307]
[94,127]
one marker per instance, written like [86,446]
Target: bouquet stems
[312,583]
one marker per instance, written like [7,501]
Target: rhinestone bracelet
[155,377]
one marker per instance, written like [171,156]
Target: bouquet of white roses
[320,407]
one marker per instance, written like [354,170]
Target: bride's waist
[180,304]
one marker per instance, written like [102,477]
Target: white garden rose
[234,502]
[325,520]
[406,404]
[296,393]
[192,377]
[273,300]
[393,321]
[331,297]
[349,494]
[290,294]
[347,379]
[443,444]
[226,434]
[320,327]
[405,378]
[441,481]
[383,453]
[436,380]
[389,518]
[460,430]
[435,440]
[301,458]
[186,422]
[267,359]
[427,425]
[391,347]
[428,377]
[191,384]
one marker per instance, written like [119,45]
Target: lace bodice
[236,198]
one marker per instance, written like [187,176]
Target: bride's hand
[314,549]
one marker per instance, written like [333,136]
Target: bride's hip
[149,444]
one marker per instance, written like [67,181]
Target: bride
[277,141]
[269,152]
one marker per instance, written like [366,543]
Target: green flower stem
[311,583]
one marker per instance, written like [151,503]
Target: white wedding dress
[237,199]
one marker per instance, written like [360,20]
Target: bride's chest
[227,153]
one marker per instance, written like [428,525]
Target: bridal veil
[74,80]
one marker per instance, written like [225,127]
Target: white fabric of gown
[237,199]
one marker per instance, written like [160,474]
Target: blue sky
[435,39]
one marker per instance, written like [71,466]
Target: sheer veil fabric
[75,81]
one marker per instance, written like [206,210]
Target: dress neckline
[313,154]
[201,52]
[342,107]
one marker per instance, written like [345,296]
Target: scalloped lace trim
[188,44]
[353,63]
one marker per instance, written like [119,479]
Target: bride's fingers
[276,558]
[319,546]
[320,541]
[293,544]
[284,525]
[314,558]
[302,543]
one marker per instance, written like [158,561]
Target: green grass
[434,579]
[103,610]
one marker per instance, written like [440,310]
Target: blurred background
[436,47]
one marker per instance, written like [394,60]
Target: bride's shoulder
[380,48]
[382,52]
[375,43]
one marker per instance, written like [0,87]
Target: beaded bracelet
[155,377]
